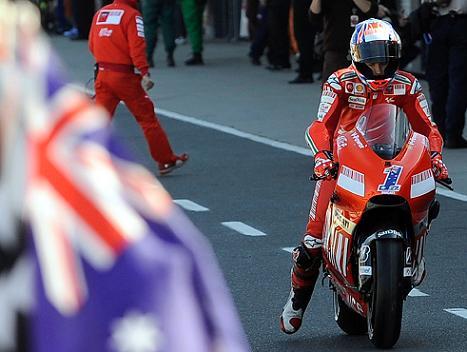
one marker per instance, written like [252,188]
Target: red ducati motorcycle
[377,221]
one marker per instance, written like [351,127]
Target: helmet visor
[379,51]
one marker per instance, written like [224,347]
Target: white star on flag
[135,332]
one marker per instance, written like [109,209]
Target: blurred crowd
[279,27]
[311,35]
[280,31]
[177,20]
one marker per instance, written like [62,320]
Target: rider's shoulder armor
[412,85]
[342,79]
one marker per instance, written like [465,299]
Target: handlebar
[446,183]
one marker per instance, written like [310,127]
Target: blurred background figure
[278,34]
[446,68]
[305,35]
[159,13]
[337,20]
[83,11]
[257,15]
[391,11]
[193,11]
[95,256]
[62,16]
[180,29]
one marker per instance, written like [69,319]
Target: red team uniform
[117,42]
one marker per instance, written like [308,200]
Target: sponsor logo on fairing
[338,248]
[341,142]
[365,270]
[408,256]
[422,183]
[352,302]
[342,221]
[387,232]
[364,253]
[356,138]
[352,181]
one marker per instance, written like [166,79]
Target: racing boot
[305,272]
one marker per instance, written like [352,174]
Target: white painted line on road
[451,194]
[235,132]
[288,249]
[270,142]
[189,205]
[242,228]
[461,312]
[263,140]
[417,293]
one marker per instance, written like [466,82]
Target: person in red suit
[117,43]
[372,78]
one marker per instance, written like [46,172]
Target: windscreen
[385,129]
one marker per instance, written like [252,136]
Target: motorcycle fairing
[408,175]
[364,176]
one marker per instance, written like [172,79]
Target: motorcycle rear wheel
[349,321]
[385,306]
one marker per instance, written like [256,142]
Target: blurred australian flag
[94,255]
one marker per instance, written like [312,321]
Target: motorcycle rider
[372,78]
[117,42]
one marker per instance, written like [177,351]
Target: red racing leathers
[343,99]
[117,42]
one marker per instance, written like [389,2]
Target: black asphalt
[268,189]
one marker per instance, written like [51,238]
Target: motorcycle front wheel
[385,306]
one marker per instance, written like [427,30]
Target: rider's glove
[324,165]
[440,171]
[147,82]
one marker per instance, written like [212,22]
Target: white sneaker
[180,160]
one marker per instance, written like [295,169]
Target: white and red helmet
[375,41]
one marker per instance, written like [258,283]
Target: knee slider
[304,260]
